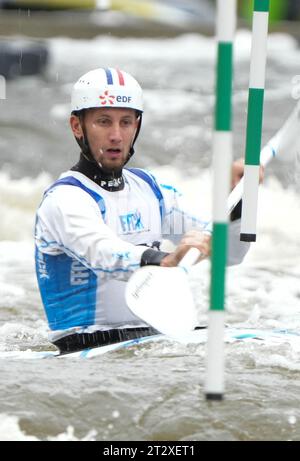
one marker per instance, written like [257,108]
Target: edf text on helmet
[124,98]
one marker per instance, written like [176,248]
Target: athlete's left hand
[238,167]
[191,239]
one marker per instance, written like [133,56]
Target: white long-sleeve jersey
[89,241]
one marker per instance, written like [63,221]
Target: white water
[155,392]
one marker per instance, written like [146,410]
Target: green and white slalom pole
[254,119]
[222,160]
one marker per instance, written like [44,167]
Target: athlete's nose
[115,134]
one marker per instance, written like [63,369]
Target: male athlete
[100,221]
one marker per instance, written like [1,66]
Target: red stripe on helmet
[121,77]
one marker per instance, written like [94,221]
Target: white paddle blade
[162,297]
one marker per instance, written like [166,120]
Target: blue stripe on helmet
[109,76]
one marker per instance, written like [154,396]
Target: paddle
[155,294]
[161,296]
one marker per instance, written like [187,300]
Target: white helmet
[107,88]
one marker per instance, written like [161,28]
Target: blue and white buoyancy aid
[90,240]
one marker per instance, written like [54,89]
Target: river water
[154,392]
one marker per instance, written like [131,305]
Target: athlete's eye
[126,122]
[103,121]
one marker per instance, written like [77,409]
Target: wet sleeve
[179,219]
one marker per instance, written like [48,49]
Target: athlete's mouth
[114,151]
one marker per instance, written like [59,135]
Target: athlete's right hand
[191,239]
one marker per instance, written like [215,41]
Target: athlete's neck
[112,181]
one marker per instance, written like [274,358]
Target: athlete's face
[110,133]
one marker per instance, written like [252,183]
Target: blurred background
[45,45]
[87,18]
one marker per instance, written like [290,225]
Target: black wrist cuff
[152,257]
[236,212]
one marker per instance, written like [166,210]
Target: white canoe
[232,335]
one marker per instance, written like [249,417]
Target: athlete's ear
[76,126]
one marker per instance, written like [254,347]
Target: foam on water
[19,200]
[21,336]
[105,50]
[10,430]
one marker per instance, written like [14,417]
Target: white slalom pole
[254,119]
[222,160]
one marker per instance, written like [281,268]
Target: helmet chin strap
[137,132]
